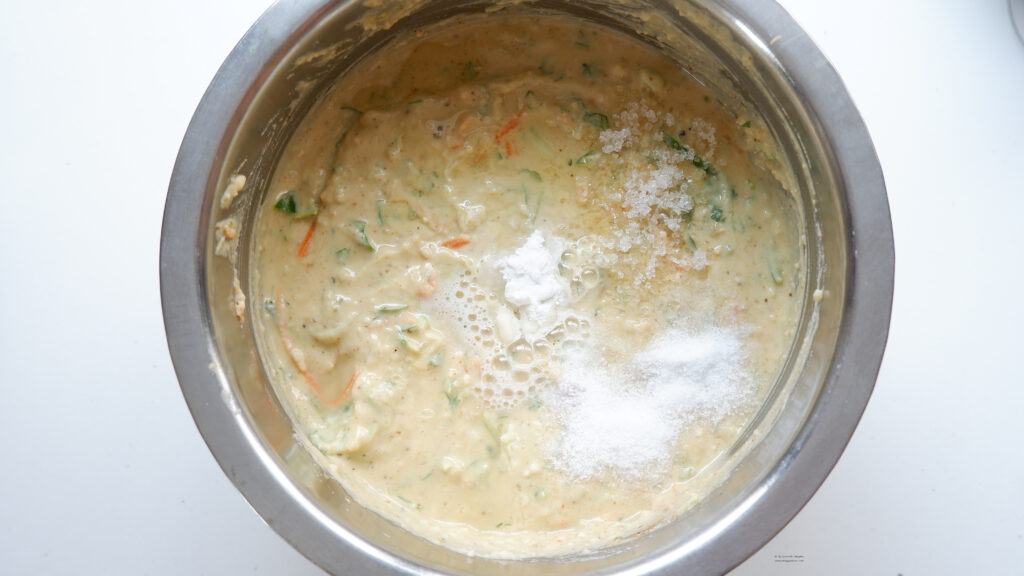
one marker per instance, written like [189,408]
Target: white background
[103,471]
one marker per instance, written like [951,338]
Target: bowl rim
[236,445]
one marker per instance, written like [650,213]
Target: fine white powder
[532,282]
[624,421]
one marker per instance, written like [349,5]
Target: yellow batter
[521,281]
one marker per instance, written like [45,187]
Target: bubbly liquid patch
[521,336]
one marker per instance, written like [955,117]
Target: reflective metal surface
[748,48]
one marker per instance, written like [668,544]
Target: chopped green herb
[545,69]
[406,341]
[540,141]
[453,399]
[338,143]
[582,41]
[679,147]
[533,403]
[389,308]
[359,227]
[531,173]
[587,157]
[672,142]
[435,360]
[268,305]
[745,124]
[500,524]
[774,270]
[597,119]
[533,213]
[704,165]
[690,241]
[380,210]
[588,70]
[286,202]
[493,428]
[452,395]
[342,255]
[348,128]
[470,70]
[717,215]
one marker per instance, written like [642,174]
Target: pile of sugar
[636,119]
[653,193]
[624,421]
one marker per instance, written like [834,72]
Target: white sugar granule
[635,120]
[624,421]
[653,189]
[614,140]
[698,261]
[652,195]
[705,132]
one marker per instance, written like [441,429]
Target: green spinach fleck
[286,203]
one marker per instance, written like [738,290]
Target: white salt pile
[624,421]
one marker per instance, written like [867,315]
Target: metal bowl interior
[749,51]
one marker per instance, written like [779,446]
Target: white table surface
[104,471]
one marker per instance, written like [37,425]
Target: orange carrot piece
[309,379]
[344,393]
[510,148]
[457,242]
[348,387]
[509,126]
[304,247]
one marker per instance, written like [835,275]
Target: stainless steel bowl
[750,50]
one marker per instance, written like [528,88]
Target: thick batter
[521,281]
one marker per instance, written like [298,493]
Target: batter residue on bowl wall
[521,281]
